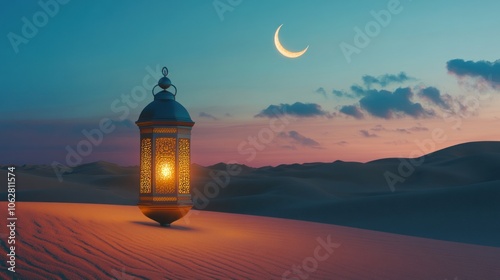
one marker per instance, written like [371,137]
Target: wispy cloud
[298,109]
[402,130]
[385,80]
[299,139]
[397,142]
[367,134]
[341,93]
[207,116]
[418,128]
[321,91]
[124,123]
[378,127]
[381,128]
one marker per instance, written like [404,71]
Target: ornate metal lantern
[165,128]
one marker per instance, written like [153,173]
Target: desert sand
[440,223]
[98,241]
[452,195]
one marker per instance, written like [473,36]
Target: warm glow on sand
[92,241]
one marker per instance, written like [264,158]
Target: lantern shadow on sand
[165,128]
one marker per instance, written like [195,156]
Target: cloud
[341,143]
[338,93]
[385,104]
[380,127]
[488,71]
[418,128]
[368,81]
[385,80]
[298,109]
[434,95]
[321,91]
[358,90]
[389,103]
[397,142]
[299,139]
[207,116]
[289,147]
[341,93]
[352,110]
[367,134]
[124,123]
[402,130]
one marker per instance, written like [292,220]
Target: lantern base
[164,214]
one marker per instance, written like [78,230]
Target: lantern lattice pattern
[145,165]
[164,198]
[164,130]
[184,165]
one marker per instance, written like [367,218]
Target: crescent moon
[282,49]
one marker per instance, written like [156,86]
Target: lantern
[165,129]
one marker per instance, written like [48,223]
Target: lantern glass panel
[184,165]
[165,165]
[145,165]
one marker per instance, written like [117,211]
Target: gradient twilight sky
[432,66]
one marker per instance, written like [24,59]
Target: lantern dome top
[164,108]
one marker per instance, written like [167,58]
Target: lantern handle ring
[175,90]
[154,94]
[153,90]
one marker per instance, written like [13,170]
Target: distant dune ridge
[453,195]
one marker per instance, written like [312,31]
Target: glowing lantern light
[165,127]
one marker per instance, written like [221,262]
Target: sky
[380,78]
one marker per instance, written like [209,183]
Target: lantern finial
[165,83]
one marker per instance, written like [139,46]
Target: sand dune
[90,241]
[453,195]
